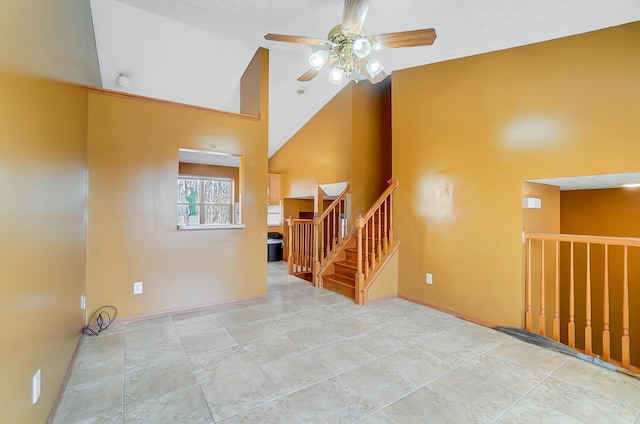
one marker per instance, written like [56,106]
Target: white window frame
[201,204]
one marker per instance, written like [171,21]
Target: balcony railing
[582,288]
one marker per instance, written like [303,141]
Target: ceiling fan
[347,47]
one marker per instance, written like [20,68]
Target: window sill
[211,227]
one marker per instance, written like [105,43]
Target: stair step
[340,285]
[340,279]
[352,254]
[346,268]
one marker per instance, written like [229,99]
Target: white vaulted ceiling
[195,51]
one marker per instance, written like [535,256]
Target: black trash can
[275,246]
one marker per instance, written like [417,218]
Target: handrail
[629,241]
[393,184]
[597,274]
[335,202]
[376,226]
[330,232]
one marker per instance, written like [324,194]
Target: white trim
[211,227]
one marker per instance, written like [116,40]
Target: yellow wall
[319,153]
[386,284]
[466,133]
[43,190]
[371,144]
[611,212]
[133,167]
[348,140]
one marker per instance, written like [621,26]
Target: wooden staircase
[343,278]
[345,263]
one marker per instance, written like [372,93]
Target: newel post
[528,314]
[290,244]
[317,280]
[361,295]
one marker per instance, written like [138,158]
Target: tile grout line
[191,369]
[530,390]
[124,368]
[603,394]
[433,379]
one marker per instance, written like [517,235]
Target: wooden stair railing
[374,240]
[354,264]
[301,242]
[593,272]
[342,262]
[331,232]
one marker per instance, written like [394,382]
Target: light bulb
[318,59]
[374,67]
[336,76]
[361,47]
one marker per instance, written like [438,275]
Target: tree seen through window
[204,200]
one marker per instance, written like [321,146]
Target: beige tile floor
[306,355]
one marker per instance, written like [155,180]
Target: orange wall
[43,189]
[371,144]
[467,132]
[43,192]
[610,212]
[319,153]
[547,218]
[133,168]
[348,140]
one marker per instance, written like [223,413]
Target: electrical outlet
[137,287]
[429,278]
[35,387]
[83,302]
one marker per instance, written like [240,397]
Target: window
[274,215]
[205,200]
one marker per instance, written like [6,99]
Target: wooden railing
[374,237]
[569,271]
[300,241]
[331,228]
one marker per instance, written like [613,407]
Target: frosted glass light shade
[336,76]
[318,59]
[374,67]
[361,47]
[123,80]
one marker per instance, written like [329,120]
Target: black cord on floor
[103,317]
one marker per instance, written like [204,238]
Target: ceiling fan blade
[353,17]
[418,37]
[311,73]
[296,39]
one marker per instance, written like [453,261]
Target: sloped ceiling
[194,51]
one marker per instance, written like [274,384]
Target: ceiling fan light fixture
[374,67]
[362,47]
[319,59]
[336,76]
